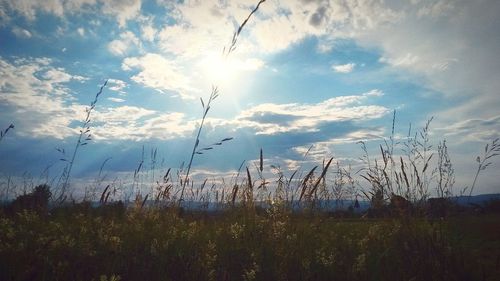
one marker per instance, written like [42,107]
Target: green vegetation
[405,235]
[112,243]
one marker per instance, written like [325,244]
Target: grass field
[406,184]
[113,243]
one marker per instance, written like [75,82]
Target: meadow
[111,242]
[295,225]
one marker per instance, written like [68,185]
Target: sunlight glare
[219,70]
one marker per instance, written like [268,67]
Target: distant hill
[476,199]
[327,205]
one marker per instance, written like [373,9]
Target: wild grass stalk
[82,140]
[4,132]
[490,151]
[91,192]
[445,172]
[213,95]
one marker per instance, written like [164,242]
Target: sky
[305,74]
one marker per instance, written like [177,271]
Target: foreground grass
[80,243]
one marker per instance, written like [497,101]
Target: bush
[37,201]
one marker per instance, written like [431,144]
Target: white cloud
[21,32]
[201,26]
[343,68]
[406,60]
[482,130]
[117,85]
[158,72]
[30,9]
[292,21]
[81,31]
[270,118]
[276,34]
[250,64]
[137,124]
[120,47]
[57,76]
[123,115]
[123,10]
[188,42]
[116,99]
[148,32]
[43,107]
[436,9]
[36,91]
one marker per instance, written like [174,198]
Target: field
[113,243]
[294,210]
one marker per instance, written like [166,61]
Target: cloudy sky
[304,73]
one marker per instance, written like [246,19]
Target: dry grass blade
[490,151]
[404,172]
[232,47]
[291,177]
[304,182]
[321,177]
[3,133]
[416,174]
[84,131]
[308,150]
[235,192]
[261,166]
[107,197]
[144,201]
[103,195]
[249,179]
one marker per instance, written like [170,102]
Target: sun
[218,69]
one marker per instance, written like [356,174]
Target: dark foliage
[37,201]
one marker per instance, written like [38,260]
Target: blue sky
[325,74]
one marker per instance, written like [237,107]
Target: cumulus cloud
[123,10]
[137,124]
[36,91]
[316,152]
[30,9]
[201,26]
[117,85]
[81,31]
[116,99]
[442,47]
[148,32]
[44,107]
[293,21]
[277,34]
[271,118]
[482,130]
[21,32]
[120,47]
[406,60]
[159,73]
[343,68]
[436,9]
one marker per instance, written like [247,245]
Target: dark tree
[37,200]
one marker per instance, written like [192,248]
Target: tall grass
[409,167]
[256,233]
[82,243]
[213,95]
[83,138]
[490,151]
[4,132]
